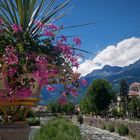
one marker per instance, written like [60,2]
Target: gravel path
[92,133]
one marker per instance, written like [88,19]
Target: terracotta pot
[14,132]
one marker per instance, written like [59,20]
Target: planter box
[14,132]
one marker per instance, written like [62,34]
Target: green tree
[99,95]
[124,89]
[134,107]
[85,106]
[67,108]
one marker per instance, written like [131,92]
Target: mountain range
[111,73]
[114,74]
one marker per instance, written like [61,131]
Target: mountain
[114,74]
[105,71]
[111,73]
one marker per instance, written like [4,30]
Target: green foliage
[25,12]
[85,106]
[58,129]
[30,114]
[123,88]
[80,119]
[114,112]
[124,96]
[123,130]
[110,128]
[134,107]
[34,122]
[67,108]
[121,113]
[98,97]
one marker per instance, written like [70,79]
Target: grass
[58,129]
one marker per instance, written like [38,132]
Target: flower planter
[14,132]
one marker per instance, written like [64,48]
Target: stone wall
[134,127]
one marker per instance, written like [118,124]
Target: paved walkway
[92,133]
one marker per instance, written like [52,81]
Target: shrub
[33,121]
[80,119]
[31,114]
[114,112]
[110,128]
[123,130]
[103,126]
[58,129]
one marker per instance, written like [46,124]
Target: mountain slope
[114,74]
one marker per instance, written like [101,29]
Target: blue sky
[115,20]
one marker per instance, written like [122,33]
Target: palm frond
[25,12]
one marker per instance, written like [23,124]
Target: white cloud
[124,53]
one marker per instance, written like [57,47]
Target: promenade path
[92,133]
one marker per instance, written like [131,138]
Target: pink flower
[16,28]
[12,71]
[64,93]
[63,38]
[52,27]
[49,34]
[10,56]
[74,62]
[77,41]
[39,24]
[73,92]
[41,76]
[25,92]
[1,21]
[62,100]
[50,88]
[84,82]
[41,61]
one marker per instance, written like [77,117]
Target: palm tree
[25,13]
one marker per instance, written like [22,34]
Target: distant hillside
[114,74]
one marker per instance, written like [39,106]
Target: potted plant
[33,54]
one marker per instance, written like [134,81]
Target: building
[134,89]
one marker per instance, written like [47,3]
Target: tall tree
[99,95]
[124,89]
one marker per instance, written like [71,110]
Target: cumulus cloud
[124,53]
